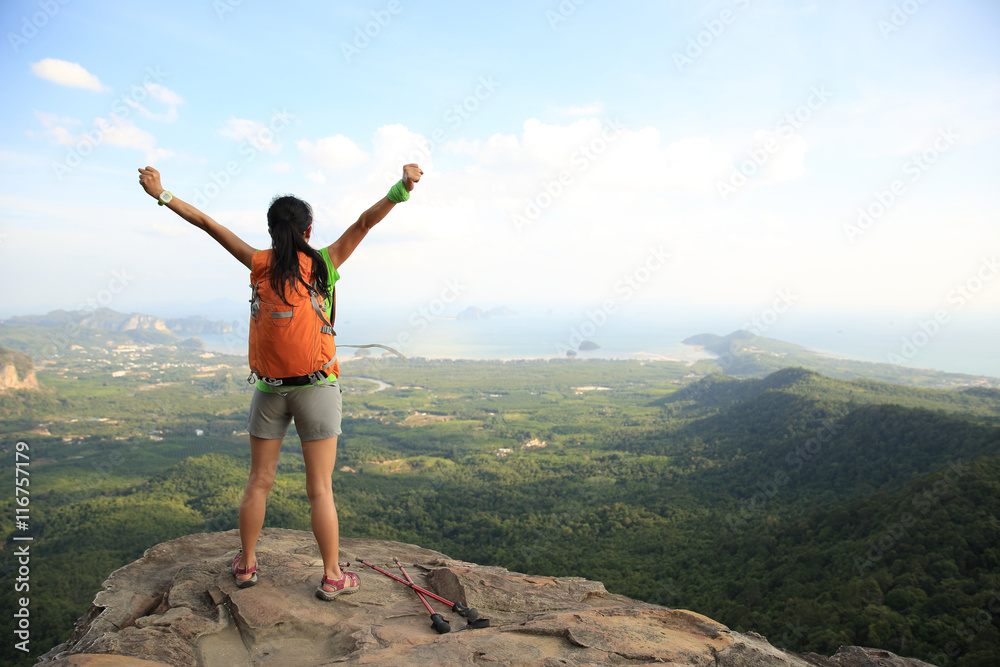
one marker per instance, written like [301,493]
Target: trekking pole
[437,620]
[471,614]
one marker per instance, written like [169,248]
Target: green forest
[815,508]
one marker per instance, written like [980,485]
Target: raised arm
[342,248]
[149,178]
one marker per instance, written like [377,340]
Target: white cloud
[787,163]
[612,204]
[123,132]
[625,159]
[336,152]
[638,190]
[258,134]
[114,131]
[900,123]
[772,157]
[553,145]
[499,149]
[693,164]
[161,94]
[164,94]
[396,145]
[66,73]
[56,127]
[51,119]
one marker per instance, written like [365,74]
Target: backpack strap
[327,326]
[254,300]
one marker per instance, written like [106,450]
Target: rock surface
[179,605]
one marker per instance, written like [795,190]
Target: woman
[316,407]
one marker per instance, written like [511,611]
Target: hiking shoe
[348,583]
[238,569]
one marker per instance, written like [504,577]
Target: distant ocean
[969,346]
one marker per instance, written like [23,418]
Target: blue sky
[568,148]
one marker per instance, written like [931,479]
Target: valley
[816,510]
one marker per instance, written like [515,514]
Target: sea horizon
[969,348]
[968,344]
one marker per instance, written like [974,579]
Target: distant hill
[100,318]
[476,313]
[111,320]
[739,354]
[744,355]
[769,431]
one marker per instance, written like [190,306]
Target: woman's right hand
[149,179]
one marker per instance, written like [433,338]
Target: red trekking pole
[437,620]
[471,614]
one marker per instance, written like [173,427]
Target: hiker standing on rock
[293,356]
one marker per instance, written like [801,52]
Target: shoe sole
[330,595]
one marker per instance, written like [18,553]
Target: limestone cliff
[16,371]
[179,605]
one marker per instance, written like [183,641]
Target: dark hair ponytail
[288,218]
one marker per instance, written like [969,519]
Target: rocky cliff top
[179,605]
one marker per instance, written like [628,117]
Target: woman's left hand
[149,179]
[411,174]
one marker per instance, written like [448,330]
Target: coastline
[539,340]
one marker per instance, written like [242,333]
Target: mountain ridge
[112,320]
[743,354]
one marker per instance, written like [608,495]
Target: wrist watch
[164,198]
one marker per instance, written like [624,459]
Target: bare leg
[263,467]
[320,457]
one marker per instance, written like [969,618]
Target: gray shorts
[316,409]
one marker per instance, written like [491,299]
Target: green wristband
[398,193]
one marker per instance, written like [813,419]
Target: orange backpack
[292,343]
